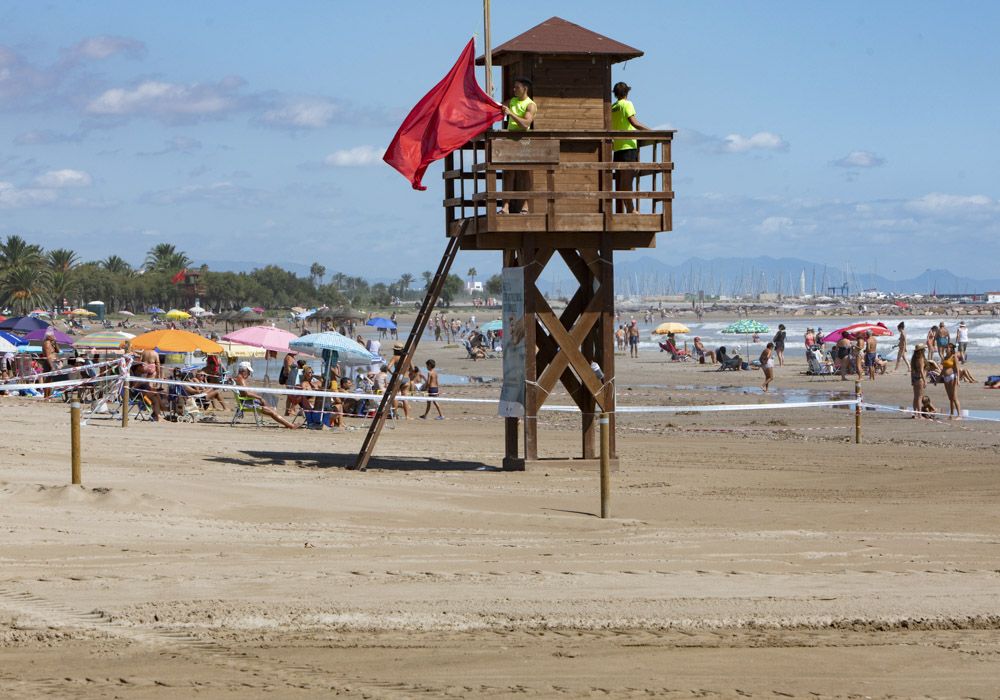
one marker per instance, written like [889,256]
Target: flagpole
[488,53]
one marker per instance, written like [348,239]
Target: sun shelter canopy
[267,337]
[171,340]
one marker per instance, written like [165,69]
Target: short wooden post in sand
[605,423]
[857,413]
[74,439]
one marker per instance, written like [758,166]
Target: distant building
[471,286]
[993,297]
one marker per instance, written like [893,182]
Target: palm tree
[472,274]
[427,276]
[61,285]
[24,288]
[164,257]
[316,273]
[405,280]
[15,252]
[116,265]
[63,260]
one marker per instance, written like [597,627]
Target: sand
[750,554]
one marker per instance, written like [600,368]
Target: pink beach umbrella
[267,337]
[856,329]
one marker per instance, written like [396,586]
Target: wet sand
[752,554]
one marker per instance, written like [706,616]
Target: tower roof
[557,36]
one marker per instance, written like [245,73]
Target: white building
[993,297]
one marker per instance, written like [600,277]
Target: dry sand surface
[751,554]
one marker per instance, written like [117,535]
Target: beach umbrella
[670,327]
[2,318]
[81,312]
[267,337]
[104,340]
[245,309]
[171,340]
[178,315]
[10,342]
[123,312]
[39,312]
[258,309]
[379,322]
[22,324]
[296,309]
[156,310]
[333,347]
[196,310]
[856,329]
[40,333]
[492,326]
[747,327]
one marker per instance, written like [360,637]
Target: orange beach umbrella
[170,340]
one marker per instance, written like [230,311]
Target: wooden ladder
[419,325]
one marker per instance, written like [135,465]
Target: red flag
[179,277]
[445,119]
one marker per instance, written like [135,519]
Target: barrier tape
[64,370]
[896,409]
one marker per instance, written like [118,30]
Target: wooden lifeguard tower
[571,196]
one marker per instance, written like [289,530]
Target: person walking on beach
[943,338]
[843,349]
[633,339]
[433,389]
[779,344]
[767,365]
[949,375]
[932,342]
[520,111]
[918,377]
[901,347]
[625,150]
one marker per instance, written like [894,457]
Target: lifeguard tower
[571,214]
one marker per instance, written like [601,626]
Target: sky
[850,132]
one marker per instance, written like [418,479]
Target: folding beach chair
[244,404]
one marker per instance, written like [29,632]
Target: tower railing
[567,179]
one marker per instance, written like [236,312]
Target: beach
[750,553]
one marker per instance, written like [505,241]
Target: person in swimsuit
[918,376]
[871,355]
[779,344]
[949,375]
[633,339]
[901,347]
[242,377]
[844,355]
[50,358]
[767,365]
[404,380]
[433,389]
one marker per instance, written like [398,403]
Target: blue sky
[853,131]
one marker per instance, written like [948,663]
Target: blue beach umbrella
[333,347]
[379,322]
[492,326]
[156,310]
[12,339]
[22,324]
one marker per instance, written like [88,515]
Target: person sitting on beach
[211,396]
[927,409]
[727,362]
[703,353]
[243,374]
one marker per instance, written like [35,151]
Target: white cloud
[100,47]
[859,159]
[761,141]
[774,224]
[12,197]
[303,114]
[66,177]
[224,193]
[357,156]
[170,101]
[937,203]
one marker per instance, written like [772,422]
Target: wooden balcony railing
[567,179]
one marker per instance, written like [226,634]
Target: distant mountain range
[729,276]
[732,276]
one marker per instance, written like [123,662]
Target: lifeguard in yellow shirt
[625,150]
[520,111]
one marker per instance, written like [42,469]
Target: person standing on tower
[520,111]
[625,150]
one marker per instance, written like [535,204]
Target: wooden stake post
[74,440]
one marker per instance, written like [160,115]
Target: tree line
[32,277]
